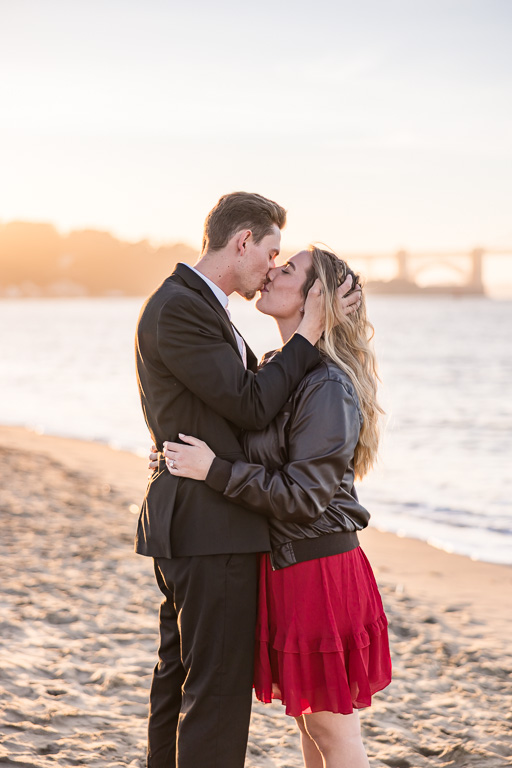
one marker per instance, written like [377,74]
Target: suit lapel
[196,283]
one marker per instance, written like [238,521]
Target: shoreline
[79,631]
[21,435]
[413,564]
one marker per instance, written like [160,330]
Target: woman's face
[281,297]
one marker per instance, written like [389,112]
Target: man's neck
[219,270]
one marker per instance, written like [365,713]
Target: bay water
[445,469]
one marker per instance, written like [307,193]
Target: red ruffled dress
[321,639]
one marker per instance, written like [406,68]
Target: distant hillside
[36,260]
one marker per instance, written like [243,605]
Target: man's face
[257,260]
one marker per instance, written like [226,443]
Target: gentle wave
[67,368]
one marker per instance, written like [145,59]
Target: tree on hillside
[29,253]
[36,256]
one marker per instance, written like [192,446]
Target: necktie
[241,343]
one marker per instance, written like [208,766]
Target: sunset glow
[378,126]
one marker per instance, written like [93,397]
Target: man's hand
[313,323]
[348,300]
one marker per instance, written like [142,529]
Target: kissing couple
[250,514]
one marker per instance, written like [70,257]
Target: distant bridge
[410,265]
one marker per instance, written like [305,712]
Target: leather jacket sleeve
[324,431]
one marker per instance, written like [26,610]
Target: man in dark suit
[197,376]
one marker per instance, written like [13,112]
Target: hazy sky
[377,124]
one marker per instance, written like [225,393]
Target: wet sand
[79,629]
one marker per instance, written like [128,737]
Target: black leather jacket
[299,471]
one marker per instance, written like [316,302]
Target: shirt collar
[219,293]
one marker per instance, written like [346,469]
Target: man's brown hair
[241,210]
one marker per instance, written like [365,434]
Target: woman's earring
[301,310]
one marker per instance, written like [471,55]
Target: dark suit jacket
[192,380]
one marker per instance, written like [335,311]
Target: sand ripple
[79,631]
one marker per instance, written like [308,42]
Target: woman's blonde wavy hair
[346,341]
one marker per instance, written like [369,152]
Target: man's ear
[242,239]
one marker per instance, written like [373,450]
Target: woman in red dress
[321,644]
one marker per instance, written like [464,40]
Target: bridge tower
[402,258]
[475,278]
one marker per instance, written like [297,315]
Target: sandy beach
[79,629]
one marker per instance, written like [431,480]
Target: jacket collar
[196,283]
[217,292]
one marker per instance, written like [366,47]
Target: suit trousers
[201,692]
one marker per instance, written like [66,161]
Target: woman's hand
[193,460]
[153,458]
